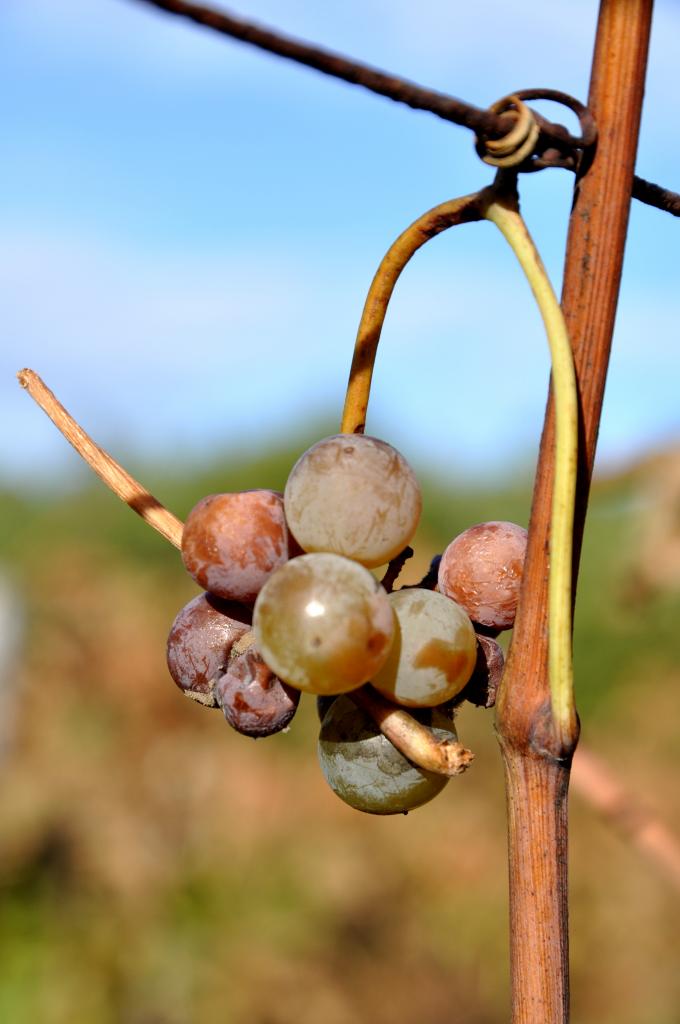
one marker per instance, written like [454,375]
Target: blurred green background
[158,868]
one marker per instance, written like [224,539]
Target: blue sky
[190,228]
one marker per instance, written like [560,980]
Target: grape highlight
[323,624]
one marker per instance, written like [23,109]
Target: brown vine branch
[107,469]
[537,762]
[556,145]
[618,807]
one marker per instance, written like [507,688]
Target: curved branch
[499,205]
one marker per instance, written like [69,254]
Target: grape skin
[323,624]
[355,496]
[434,651]
[233,542]
[199,643]
[481,570]
[253,700]
[366,771]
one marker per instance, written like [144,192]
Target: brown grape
[482,571]
[233,542]
[200,641]
[253,700]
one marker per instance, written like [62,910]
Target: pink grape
[482,571]
[233,542]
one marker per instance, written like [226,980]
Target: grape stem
[498,204]
[415,741]
[394,569]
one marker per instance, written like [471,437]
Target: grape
[482,571]
[233,542]
[355,496]
[253,700]
[323,624]
[366,771]
[487,674]
[199,643]
[433,653]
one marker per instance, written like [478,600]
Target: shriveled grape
[253,700]
[482,571]
[433,653]
[323,624]
[366,771]
[199,643]
[355,496]
[487,673]
[233,542]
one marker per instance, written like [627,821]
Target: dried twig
[107,469]
[414,740]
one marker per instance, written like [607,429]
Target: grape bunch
[291,606]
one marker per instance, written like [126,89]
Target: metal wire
[555,146]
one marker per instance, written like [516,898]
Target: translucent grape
[482,571]
[433,653]
[233,542]
[323,624]
[366,771]
[355,496]
[199,643]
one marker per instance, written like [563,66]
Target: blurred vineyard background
[157,868]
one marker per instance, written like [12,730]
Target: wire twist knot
[518,144]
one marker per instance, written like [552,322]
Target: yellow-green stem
[508,220]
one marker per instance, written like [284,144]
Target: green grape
[433,653]
[323,624]
[366,771]
[355,496]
